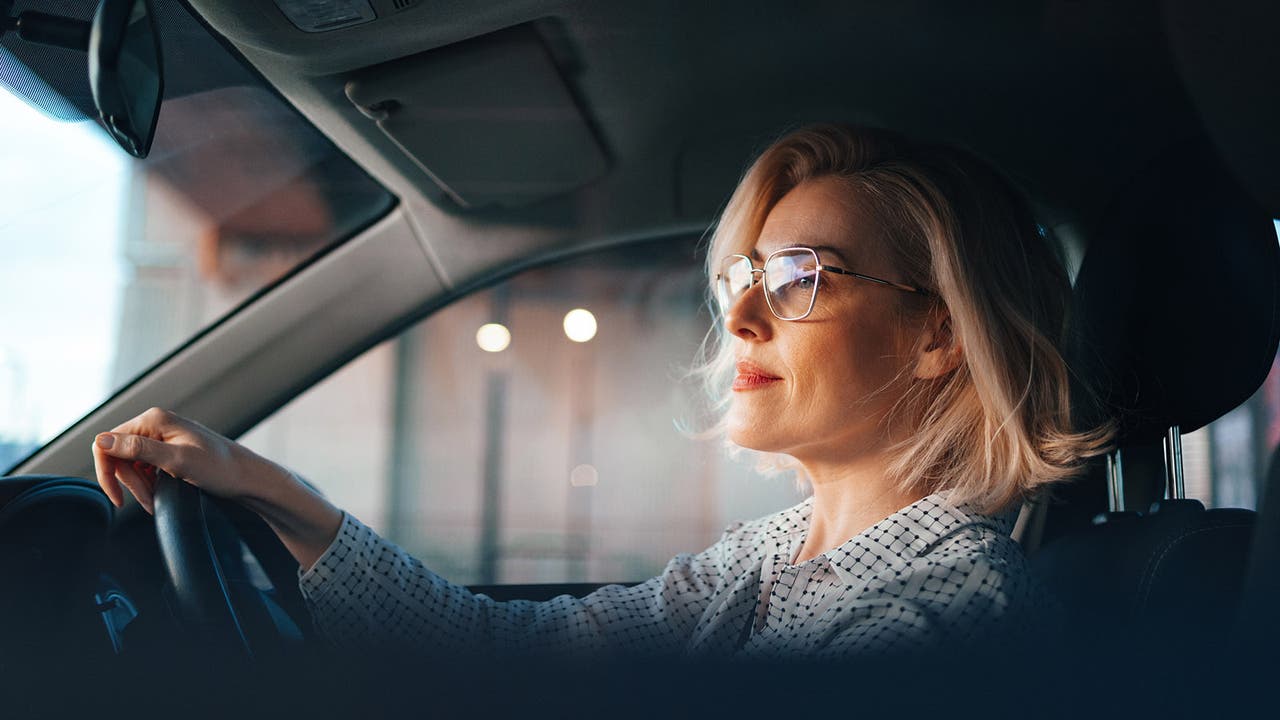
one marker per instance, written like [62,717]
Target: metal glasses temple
[890,283]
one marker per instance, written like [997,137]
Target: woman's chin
[752,435]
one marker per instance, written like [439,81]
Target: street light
[580,325]
[493,337]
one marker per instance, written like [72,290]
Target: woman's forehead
[821,214]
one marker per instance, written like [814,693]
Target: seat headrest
[1177,303]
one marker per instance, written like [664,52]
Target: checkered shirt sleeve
[928,575]
[366,592]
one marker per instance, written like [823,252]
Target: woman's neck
[848,500]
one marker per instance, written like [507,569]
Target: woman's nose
[749,317]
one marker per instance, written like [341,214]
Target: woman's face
[841,369]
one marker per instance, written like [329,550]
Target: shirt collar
[890,543]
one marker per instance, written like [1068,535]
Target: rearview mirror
[125,72]
[124,62]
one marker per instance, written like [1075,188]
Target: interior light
[315,16]
[584,476]
[493,337]
[580,325]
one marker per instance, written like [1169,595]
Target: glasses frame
[757,273]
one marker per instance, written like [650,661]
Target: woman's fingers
[141,489]
[160,440]
[147,471]
[128,456]
[131,448]
[104,466]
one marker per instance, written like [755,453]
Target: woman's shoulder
[975,569]
[985,538]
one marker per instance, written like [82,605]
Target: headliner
[1072,98]
[1060,94]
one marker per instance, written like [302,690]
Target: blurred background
[528,433]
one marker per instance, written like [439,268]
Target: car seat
[1177,320]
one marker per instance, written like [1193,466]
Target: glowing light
[584,476]
[493,337]
[580,325]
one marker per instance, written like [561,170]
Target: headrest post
[1173,489]
[1115,481]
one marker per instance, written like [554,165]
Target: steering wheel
[219,597]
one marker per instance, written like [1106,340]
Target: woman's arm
[367,593]
[304,521]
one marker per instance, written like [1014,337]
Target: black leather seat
[1178,319]
[1175,563]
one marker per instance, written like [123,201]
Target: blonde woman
[890,317]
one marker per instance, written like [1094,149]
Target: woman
[891,318]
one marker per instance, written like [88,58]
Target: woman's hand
[129,455]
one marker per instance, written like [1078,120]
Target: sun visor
[491,120]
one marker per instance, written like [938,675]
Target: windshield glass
[111,263]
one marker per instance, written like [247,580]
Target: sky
[62,193]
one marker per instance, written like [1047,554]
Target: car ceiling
[1070,98]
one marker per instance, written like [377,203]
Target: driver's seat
[1178,307]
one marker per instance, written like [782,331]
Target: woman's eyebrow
[829,250]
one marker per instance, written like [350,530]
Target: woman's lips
[752,377]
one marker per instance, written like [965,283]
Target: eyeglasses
[791,277]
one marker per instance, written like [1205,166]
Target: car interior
[468,142]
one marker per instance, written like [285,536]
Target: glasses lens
[735,279]
[791,279]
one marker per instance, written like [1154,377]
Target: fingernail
[106,440]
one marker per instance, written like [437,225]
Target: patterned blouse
[929,574]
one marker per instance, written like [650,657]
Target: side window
[554,455]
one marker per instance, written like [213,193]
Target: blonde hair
[998,428]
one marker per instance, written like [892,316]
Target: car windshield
[111,263]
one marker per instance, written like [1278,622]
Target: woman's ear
[941,351]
